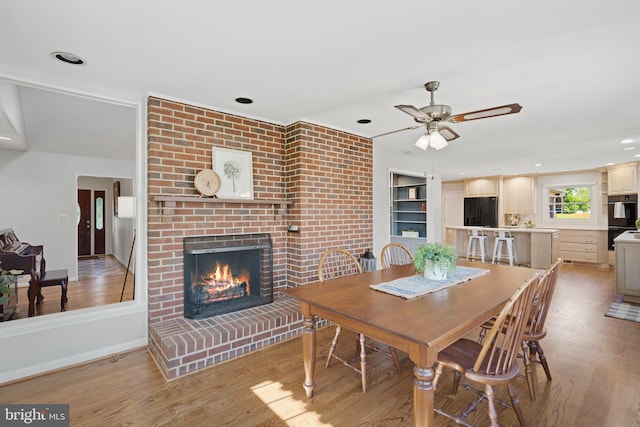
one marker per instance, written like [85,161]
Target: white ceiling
[572,65]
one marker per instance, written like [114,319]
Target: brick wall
[329,177]
[327,174]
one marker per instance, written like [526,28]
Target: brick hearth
[181,346]
[325,174]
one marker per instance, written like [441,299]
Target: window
[99,213]
[568,202]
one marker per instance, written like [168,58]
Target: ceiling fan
[436,135]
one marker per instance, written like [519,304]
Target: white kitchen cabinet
[519,195]
[623,179]
[588,246]
[481,187]
[627,253]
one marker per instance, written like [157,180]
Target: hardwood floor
[99,282]
[593,361]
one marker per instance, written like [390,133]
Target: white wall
[39,202]
[39,199]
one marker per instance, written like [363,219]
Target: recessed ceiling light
[461,173]
[610,164]
[244,100]
[537,165]
[6,138]
[627,141]
[637,155]
[68,58]
[629,148]
[364,121]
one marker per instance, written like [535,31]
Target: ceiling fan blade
[448,133]
[483,114]
[414,112]
[396,131]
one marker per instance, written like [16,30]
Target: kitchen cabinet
[519,195]
[544,249]
[623,179]
[481,187]
[408,196]
[535,247]
[627,254]
[589,246]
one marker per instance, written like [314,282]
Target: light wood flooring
[100,280]
[593,360]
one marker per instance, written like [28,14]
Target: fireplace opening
[226,273]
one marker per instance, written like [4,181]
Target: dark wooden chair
[496,361]
[535,329]
[395,254]
[44,278]
[336,263]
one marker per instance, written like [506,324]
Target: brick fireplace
[226,273]
[323,175]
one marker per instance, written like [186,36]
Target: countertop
[511,229]
[628,237]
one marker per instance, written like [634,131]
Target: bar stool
[477,237]
[504,238]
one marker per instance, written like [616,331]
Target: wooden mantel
[167,203]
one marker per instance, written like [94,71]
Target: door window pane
[99,213]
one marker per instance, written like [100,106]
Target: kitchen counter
[627,254]
[516,229]
[628,237]
[535,247]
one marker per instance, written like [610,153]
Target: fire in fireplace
[226,273]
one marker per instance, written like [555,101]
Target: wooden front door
[84,222]
[99,223]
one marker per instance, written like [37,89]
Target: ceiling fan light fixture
[437,141]
[423,142]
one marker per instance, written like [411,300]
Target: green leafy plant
[7,279]
[444,256]
[638,224]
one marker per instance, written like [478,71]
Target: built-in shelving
[408,195]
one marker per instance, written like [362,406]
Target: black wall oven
[622,214]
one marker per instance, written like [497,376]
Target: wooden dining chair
[395,254]
[336,263]
[535,329]
[496,361]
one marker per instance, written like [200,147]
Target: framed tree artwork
[235,168]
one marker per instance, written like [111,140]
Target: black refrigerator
[481,211]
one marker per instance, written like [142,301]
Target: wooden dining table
[421,326]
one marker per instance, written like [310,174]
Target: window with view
[569,202]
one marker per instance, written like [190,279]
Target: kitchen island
[627,257]
[535,247]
